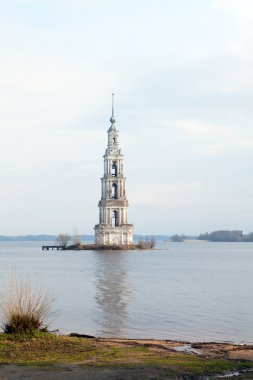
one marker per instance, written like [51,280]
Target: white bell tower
[113,227]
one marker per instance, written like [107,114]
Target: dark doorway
[114,191]
[114,169]
[115,221]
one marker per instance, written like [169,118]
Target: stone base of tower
[108,235]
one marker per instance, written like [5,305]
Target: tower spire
[112,119]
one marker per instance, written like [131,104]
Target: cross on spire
[112,119]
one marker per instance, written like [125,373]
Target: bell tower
[113,227]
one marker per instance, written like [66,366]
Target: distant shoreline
[213,237]
[85,238]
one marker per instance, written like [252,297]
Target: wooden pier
[48,247]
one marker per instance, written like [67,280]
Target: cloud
[176,194]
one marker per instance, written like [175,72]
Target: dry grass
[25,306]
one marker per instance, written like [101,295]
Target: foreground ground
[47,356]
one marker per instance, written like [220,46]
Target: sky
[182,73]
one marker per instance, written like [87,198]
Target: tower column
[113,227]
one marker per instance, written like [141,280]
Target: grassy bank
[42,349]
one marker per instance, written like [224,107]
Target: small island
[67,242]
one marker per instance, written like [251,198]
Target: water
[191,291]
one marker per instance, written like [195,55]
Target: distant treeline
[83,238]
[218,236]
[182,237]
[233,236]
[178,238]
[42,237]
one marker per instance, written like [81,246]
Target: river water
[191,291]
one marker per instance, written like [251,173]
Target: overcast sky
[182,72]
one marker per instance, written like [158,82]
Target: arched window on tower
[115,221]
[113,140]
[114,191]
[114,169]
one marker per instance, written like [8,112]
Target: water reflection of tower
[113,293]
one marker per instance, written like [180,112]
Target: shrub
[63,240]
[146,244]
[25,307]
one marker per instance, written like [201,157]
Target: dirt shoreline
[214,350]
[217,350]
[77,371]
